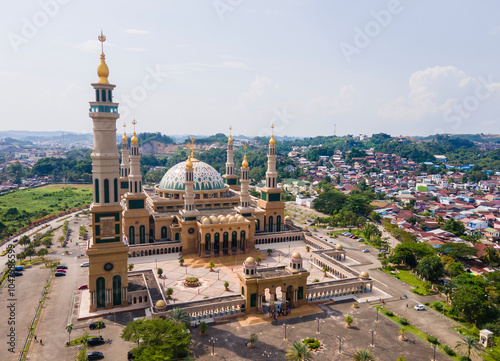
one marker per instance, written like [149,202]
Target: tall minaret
[244,194]
[125,165]
[189,213]
[271,194]
[107,252]
[230,178]
[135,214]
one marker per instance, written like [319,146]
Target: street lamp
[378,310]
[372,333]
[434,357]
[341,341]
[266,354]
[156,263]
[318,320]
[285,326]
[212,341]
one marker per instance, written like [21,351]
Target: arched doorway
[117,290]
[257,225]
[278,224]
[234,242]
[216,244]
[100,292]
[164,232]
[270,224]
[142,234]
[131,235]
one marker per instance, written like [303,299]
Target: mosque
[193,210]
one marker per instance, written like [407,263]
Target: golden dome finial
[272,141]
[124,133]
[134,138]
[244,164]
[230,139]
[189,164]
[192,147]
[102,68]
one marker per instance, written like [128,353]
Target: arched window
[117,290]
[257,225]
[242,235]
[278,224]
[217,237]
[242,291]
[270,225]
[103,95]
[142,234]
[97,95]
[106,191]
[101,292]
[115,190]
[207,238]
[163,232]
[177,236]
[234,236]
[96,190]
[109,96]
[225,237]
[131,235]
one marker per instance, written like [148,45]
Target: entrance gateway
[286,285]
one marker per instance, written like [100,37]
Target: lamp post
[318,320]
[156,263]
[341,340]
[372,333]
[218,275]
[378,310]
[285,326]
[212,341]
[266,354]
[434,356]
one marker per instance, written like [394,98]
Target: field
[23,207]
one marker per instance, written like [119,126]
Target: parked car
[95,341]
[95,356]
[384,251]
[93,325]
[361,239]
[366,250]
[62,267]
[60,274]
[18,268]
[419,307]
[84,264]
[354,237]
[15,241]
[16,273]
[83,287]
[61,270]
[329,228]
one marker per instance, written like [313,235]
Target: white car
[419,307]
[366,250]
[84,264]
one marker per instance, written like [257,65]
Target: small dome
[160,304]
[229,216]
[202,218]
[241,218]
[244,164]
[189,164]
[230,139]
[223,220]
[103,71]
[305,228]
[364,274]
[250,260]
[232,219]
[288,218]
[296,255]
[214,220]
[134,139]
[124,139]
[205,221]
[272,141]
[339,247]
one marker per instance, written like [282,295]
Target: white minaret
[135,177]
[244,194]
[189,213]
[271,174]
[125,165]
[108,254]
[230,178]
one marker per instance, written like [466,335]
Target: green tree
[159,271]
[157,339]
[371,230]
[430,267]
[130,266]
[179,316]
[24,241]
[363,355]
[42,252]
[455,268]
[468,345]
[299,352]
[455,227]
[99,325]
[470,299]
[375,216]
[82,352]
[169,292]
[211,265]
[457,250]
[490,257]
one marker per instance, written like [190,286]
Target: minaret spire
[271,174]
[244,194]
[135,177]
[230,178]
[189,213]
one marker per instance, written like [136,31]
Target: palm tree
[180,317]
[226,285]
[69,328]
[363,355]
[469,345]
[324,269]
[98,326]
[181,261]
[299,352]
[203,327]
[348,321]
[403,332]
[159,271]
[211,265]
[169,292]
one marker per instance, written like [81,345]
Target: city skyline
[397,67]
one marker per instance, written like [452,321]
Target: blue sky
[197,67]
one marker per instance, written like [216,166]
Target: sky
[310,67]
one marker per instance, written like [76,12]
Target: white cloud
[340,103]
[137,31]
[234,64]
[259,89]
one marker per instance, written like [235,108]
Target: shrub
[315,280]
[437,305]
[253,338]
[389,313]
[403,321]
[432,339]
[427,303]
[312,343]
[464,358]
[192,279]
[449,350]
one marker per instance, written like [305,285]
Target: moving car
[95,356]
[419,307]
[84,264]
[93,325]
[83,287]
[60,274]
[95,341]
[366,250]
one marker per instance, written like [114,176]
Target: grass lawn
[407,277]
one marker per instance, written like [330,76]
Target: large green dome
[205,177]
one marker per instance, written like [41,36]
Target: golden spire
[134,136]
[244,164]
[189,164]
[102,68]
[124,133]
[192,147]
[272,141]
[230,139]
